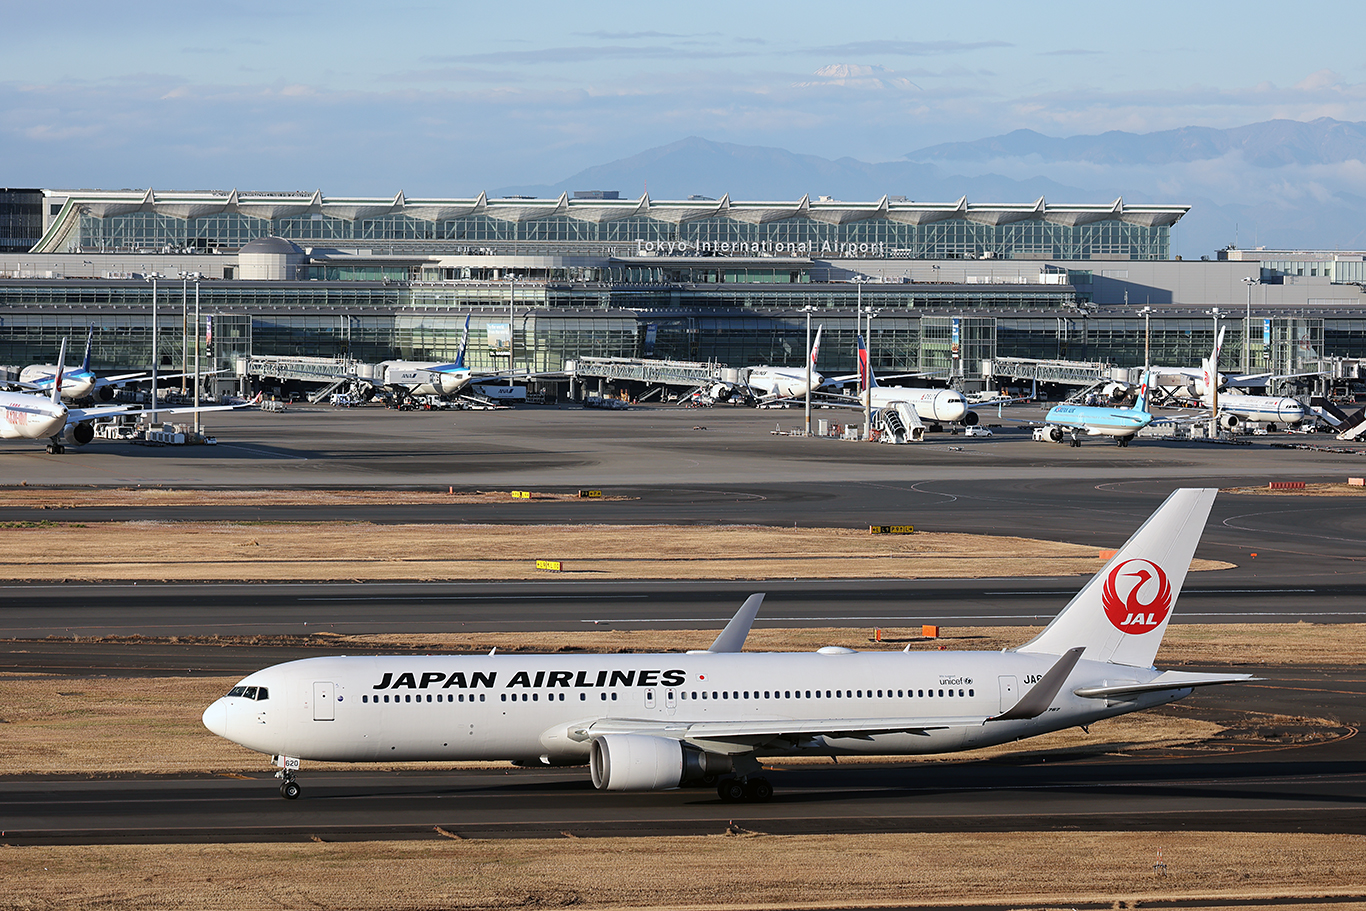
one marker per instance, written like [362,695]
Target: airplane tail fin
[1121,614]
[1141,403]
[816,347]
[464,342]
[89,341]
[57,379]
[866,380]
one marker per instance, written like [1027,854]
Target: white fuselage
[30,417]
[1262,409]
[935,405]
[546,707]
[422,378]
[781,382]
[76,383]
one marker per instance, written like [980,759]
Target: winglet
[732,638]
[1036,701]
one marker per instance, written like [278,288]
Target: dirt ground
[1205,870]
[279,552]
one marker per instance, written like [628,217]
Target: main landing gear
[748,790]
[55,448]
[1124,441]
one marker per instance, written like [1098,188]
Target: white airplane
[1236,408]
[1099,420]
[427,377]
[79,382]
[931,405]
[786,382]
[28,416]
[659,721]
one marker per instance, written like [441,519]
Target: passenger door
[324,695]
[1010,693]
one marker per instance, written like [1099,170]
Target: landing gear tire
[758,790]
[290,790]
[732,790]
[55,449]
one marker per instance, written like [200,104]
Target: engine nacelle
[105,393]
[82,433]
[642,762]
[1229,421]
[1055,434]
[970,419]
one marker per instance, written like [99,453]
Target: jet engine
[82,433]
[1229,421]
[642,762]
[105,393]
[1055,434]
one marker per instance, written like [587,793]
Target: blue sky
[448,99]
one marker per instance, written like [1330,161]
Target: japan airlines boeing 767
[657,721]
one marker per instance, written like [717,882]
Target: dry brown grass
[1209,870]
[194,551]
[1311,490]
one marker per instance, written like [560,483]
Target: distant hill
[696,166]
[1271,144]
[1282,184]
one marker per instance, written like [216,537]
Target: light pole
[1247,325]
[184,326]
[196,353]
[808,309]
[1213,379]
[1147,360]
[512,338]
[154,348]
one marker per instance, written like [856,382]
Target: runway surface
[705,467]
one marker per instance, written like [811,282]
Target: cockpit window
[237,691]
[262,693]
[258,693]
[250,693]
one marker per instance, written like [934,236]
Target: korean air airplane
[1098,420]
[659,721]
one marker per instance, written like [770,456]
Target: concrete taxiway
[716,466]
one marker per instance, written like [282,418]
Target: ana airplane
[77,383]
[426,377]
[30,416]
[1099,420]
[658,721]
[1236,408]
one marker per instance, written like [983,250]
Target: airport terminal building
[951,288]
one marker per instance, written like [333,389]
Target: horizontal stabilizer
[1170,680]
[1037,700]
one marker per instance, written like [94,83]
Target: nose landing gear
[289,770]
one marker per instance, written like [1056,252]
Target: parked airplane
[785,382]
[412,378]
[1099,420]
[1236,408]
[931,405]
[77,383]
[658,721]
[30,416]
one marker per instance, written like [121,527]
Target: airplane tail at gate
[1122,613]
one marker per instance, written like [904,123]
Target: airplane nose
[216,718]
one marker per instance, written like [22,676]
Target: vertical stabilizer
[89,341]
[464,342]
[1141,403]
[816,347]
[1122,613]
[866,380]
[57,378]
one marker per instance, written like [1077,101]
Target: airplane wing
[1166,681]
[97,412]
[747,735]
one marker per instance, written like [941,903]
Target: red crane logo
[1137,579]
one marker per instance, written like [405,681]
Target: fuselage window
[713,694]
[950,694]
[504,697]
[365,699]
[408,698]
[827,694]
[439,697]
[858,693]
[960,693]
[604,697]
[922,694]
[462,697]
[787,694]
[614,697]
[767,694]
[746,694]
[535,697]
[879,694]
[386,698]
[725,695]
[818,694]
[429,698]
[704,694]
[941,694]
[970,693]
[899,693]
[481,697]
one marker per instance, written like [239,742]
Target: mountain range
[1280,184]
